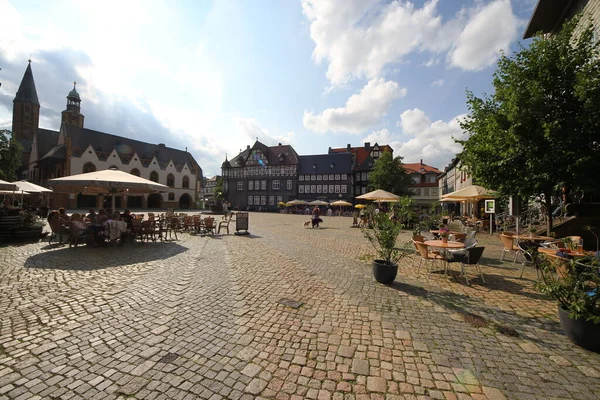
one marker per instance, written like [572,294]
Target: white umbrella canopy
[296,202]
[24,186]
[318,203]
[472,192]
[108,181]
[7,186]
[341,203]
[378,195]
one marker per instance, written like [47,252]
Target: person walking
[316,217]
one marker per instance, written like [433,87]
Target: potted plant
[569,243]
[591,229]
[30,226]
[444,233]
[576,290]
[382,235]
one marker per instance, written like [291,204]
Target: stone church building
[74,149]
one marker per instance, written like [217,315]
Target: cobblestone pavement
[200,318]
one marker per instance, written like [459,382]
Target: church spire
[27,92]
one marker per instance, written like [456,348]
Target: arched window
[154,176]
[171,196]
[135,172]
[170,180]
[89,167]
[185,182]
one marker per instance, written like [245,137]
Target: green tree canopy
[540,128]
[389,174]
[10,156]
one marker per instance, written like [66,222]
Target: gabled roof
[272,154]
[361,153]
[547,16]
[58,152]
[337,163]
[27,92]
[46,141]
[413,168]
[104,143]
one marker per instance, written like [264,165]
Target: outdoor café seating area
[121,228]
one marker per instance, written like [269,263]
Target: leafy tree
[218,192]
[10,156]
[389,174]
[540,127]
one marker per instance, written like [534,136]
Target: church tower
[26,111]
[72,115]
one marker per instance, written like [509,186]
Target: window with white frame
[344,177]
[319,177]
[301,177]
[325,177]
[250,200]
[337,177]
[279,199]
[275,185]
[263,185]
[318,188]
[344,188]
[282,170]
[271,200]
[289,184]
[306,188]
[256,185]
[363,190]
[331,176]
[250,185]
[426,192]
[430,178]
[363,176]
[301,189]
[313,177]
[263,200]
[337,188]
[256,200]
[416,178]
[331,188]
[357,190]
[240,185]
[313,188]
[325,188]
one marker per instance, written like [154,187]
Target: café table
[437,232]
[575,253]
[533,238]
[448,245]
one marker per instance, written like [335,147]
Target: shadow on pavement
[93,258]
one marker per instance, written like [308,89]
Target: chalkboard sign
[241,222]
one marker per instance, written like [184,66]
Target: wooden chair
[460,237]
[209,225]
[188,223]
[225,224]
[428,256]
[173,227]
[57,229]
[136,230]
[417,238]
[148,230]
[509,247]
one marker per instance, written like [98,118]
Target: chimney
[349,147]
[247,147]
[161,145]
[367,146]
[421,161]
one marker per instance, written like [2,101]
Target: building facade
[549,15]
[326,177]
[209,190]
[74,149]
[260,177]
[424,186]
[363,160]
[455,177]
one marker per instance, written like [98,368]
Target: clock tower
[72,115]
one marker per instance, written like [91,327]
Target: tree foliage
[10,156]
[389,174]
[541,127]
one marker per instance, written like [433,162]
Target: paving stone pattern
[201,317]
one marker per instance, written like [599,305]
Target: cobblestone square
[202,318]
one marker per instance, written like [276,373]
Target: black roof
[27,92]
[46,141]
[282,154]
[322,164]
[547,17]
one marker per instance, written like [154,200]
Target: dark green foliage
[389,174]
[10,156]
[383,232]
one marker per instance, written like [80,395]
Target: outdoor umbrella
[296,202]
[360,206]
[11,187]
[106,182]
[473,192]
[318,203]
[341,203]
[378,195]
[28,187]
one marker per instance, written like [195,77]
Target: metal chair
[530,252]
[470,257]
[428,256]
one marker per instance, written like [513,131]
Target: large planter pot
[583,333]
[384,273]
[27,234]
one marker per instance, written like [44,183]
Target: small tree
[540,127]
[10,156]
[389,174]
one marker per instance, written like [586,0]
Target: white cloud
[438,82]
[362,110]
[488,32]
[252,131]
[430,141]
[358,38]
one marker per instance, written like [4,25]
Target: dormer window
[422,169]
[331,165]
[375,154]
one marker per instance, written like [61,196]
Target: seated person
[116,216]
[92,215]
[63,217]
[128,218]
[101,217]
[80,226]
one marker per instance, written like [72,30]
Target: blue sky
[213,76]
